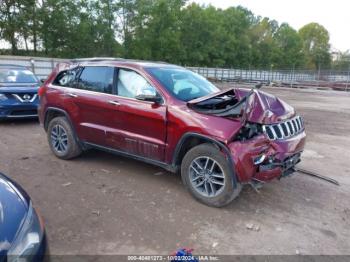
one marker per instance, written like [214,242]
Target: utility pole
[347,79]
[32,63]
[319,74]
[270,76]
[292,76]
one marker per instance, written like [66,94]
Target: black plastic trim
[69,121]
[133,156]
[57,110]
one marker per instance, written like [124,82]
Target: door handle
[115,103]
[72,95]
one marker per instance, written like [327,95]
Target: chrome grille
[284,129]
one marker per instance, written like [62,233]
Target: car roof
[121,61]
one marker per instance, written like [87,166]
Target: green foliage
[342,62]
[288,48]
[79,28]
[202,37]
[10,20]
[156,30]
[315,40]
[263,44]
[168,30]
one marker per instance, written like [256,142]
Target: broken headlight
[249,130]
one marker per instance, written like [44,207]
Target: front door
[138,127]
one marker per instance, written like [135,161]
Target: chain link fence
[334,79]
[41,66]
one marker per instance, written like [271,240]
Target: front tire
[207,175]
[61,138]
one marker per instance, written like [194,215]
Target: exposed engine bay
[223,104]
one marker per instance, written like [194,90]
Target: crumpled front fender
[244,152]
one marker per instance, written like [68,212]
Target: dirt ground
[105,204]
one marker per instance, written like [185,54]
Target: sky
[333,15]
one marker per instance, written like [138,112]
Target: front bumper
[280,157]
[19,110]
[274,168]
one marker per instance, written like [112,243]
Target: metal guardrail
[338,80]
[42,67]
[271,75]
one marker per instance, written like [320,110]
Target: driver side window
[132,84]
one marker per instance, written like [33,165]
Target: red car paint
[155,131]
[265,108]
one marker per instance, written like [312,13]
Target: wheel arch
[53,112]
[190,140]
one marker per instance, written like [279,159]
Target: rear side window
[67,78]
[97,78]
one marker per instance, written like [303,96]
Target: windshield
[183,84]
[17,76]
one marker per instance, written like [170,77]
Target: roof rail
[101,59]
[97,59]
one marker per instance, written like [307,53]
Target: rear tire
[206,174]
[61,138]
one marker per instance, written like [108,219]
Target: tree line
[175,31]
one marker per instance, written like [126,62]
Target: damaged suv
[171,117]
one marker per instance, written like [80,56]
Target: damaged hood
[265,108]
[251,105]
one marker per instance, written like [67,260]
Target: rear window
[15,75]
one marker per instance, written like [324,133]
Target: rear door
[138,127]
[88,99]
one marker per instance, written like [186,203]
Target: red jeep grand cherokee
[171,117]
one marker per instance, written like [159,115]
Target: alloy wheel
[59,138]
[207,176]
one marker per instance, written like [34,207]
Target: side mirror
[42,80]
[150,98]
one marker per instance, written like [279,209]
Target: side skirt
[166,166]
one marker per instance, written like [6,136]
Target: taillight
[41,91]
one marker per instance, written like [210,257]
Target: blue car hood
[14,204]
[18,88]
